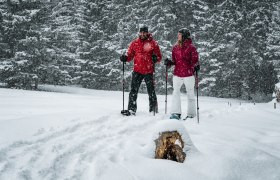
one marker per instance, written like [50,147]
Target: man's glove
[154,58]
[197,68]
[123,58]
[168,62]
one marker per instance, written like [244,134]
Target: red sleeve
[194,56]
[130,52]
[157,51]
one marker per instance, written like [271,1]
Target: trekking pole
[155,103]
[196,73]
[123,84]
[166,77]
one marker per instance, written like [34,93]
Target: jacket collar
[185,44]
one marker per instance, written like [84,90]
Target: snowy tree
[64,38]
[237,37]
[221,37]
[268,78]
[99,46]
[4,46]
[22,36]
[273,47]
[79,42]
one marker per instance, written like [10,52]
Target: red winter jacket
[185,59]
[141,51]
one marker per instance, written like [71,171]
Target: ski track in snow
[53,154]
[113,143]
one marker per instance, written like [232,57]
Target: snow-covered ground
[76,133]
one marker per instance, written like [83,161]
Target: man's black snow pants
[137,78]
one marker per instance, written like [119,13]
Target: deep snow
[76,133]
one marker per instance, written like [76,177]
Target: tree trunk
[169,145]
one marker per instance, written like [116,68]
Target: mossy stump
[169,145]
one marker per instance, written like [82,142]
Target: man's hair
[143,29]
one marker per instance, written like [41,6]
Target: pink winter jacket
[185,59]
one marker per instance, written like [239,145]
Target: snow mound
[174,125]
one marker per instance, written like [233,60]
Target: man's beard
[143,37]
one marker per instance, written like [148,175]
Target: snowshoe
[175,116]
[188,117]
[128,112]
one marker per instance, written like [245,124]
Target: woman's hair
[186,34]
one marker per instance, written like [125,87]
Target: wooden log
[169,145]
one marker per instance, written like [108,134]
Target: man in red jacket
[145,52]
[185,59]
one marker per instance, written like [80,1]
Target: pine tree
[79,42]
[99,46]
[258,17]
[4,46]
[8,28]
[268,78]
[222,34]
[65,38]
[22,35]
[273,47]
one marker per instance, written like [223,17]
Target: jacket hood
[187,42]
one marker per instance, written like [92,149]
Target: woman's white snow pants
[176,99]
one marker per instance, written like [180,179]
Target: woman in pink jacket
[185,59]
